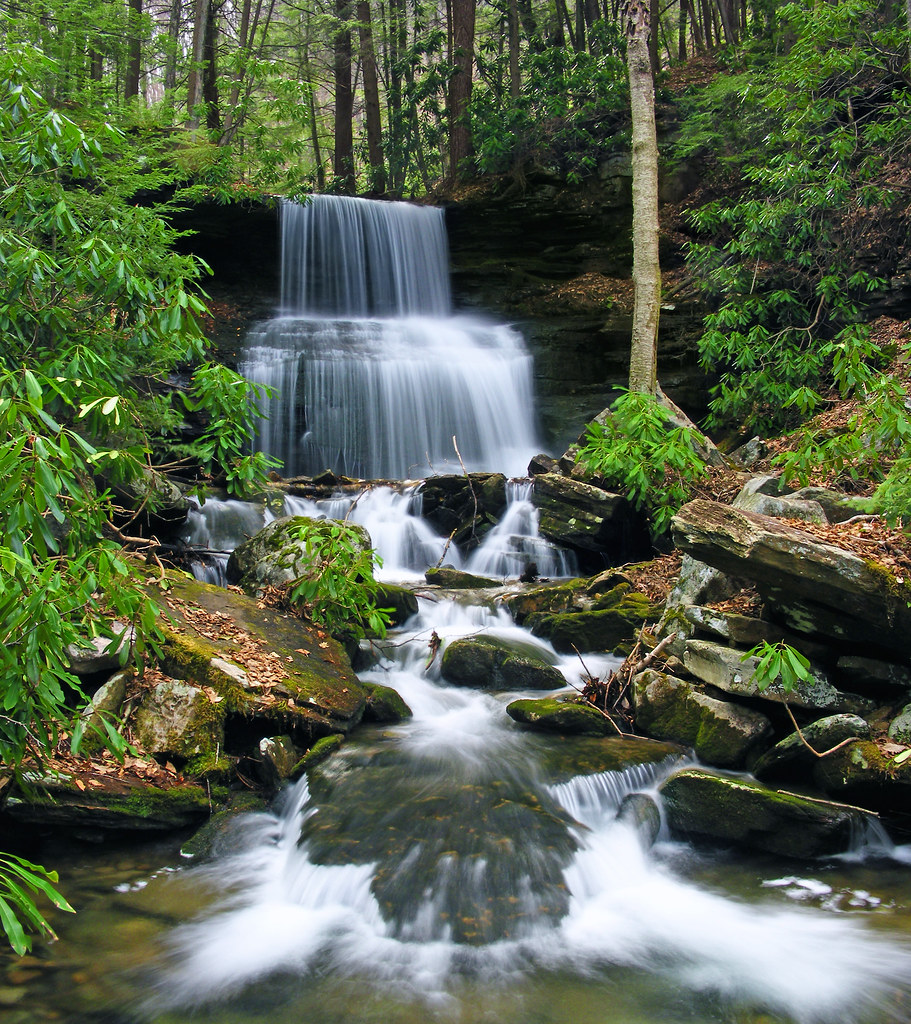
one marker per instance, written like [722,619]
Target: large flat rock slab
[817,588]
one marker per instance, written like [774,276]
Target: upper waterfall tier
[346,257]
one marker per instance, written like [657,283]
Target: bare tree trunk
[194,82]
[371,99]
[210,72]
[460,144]
[170,74]
[134,61]
[643,373]
[681,32]
[512,19]
[343,163]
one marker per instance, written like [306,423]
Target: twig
[805,741]
[474,520]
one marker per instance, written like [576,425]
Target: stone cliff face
[556,262]
[553,260]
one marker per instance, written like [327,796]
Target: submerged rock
[490,663]
[704,805]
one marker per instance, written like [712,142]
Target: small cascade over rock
[374,377]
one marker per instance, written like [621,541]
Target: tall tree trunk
[512,19]
[343,163]
[563,15]
[371,99]
[460,144]
[170,74]
[244,38]
[197,55]
[134,61]
[681,32]
[210,73]
[653,15]
[646,270]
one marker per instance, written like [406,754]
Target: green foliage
[778,664]
[781,263]
[20,883]
[638,451]
[338,589]
[230,402]
[567,114]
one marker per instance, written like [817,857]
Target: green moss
[554,715]
[318,752]
[900,589]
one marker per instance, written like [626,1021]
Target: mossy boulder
[105,705]
[720,733]
[546,598]
[616,618]
[122,806]
[457,579]
[863,773]
[385,704]
[274,673]
[704,805]
[400,600]
[319,752]
[491,663]
[178,721]
[277,555]
[790,758]
[567,716]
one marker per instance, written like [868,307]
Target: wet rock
[563,715]
[734,672]
[277,555]
[863,773]
[464,505]
[489,663]
[700,804]
[791,758]
[587,519]
[319,752]
[400,600]
[617,619]
[720,733]
[543,464]
[385,704]
[278,759]
[815,588]
[178,721]
[641,811]
[151,498]
[456,579]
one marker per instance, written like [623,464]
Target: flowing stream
[454,867]
[458,868]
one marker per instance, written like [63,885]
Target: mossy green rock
[318,753]
[863,773]
[276,555]
[385,704]
[701,804]
[489,663]
[551,714]
[58,802]
[720,733]
[603,629]
[790,757]
[308,687]
[179,721]
[400,600]
[457,579]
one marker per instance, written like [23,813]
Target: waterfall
[374,376]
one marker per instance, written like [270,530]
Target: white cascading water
[433,869]
[374,376]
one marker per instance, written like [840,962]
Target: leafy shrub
[338,590]
[638,451]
